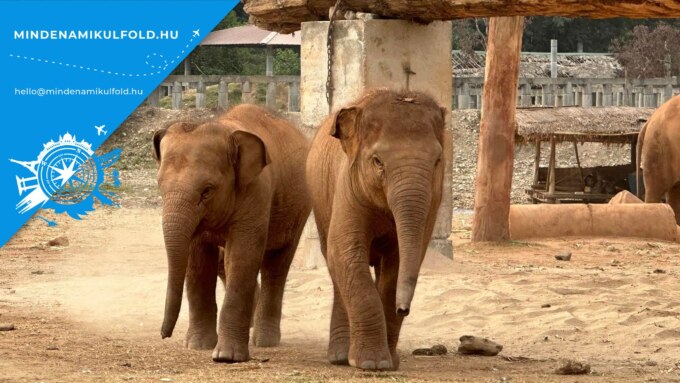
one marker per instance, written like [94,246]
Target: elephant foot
[371,359]
[338,351]
[230,353]
[196,340]
[266,337]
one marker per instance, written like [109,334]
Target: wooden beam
[497,130]
[286,15]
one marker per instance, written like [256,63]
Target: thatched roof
[574,124]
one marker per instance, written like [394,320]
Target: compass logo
[68,177]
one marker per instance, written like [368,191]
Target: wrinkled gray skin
[236,182]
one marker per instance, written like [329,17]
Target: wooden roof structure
[286,15]
[251,36]
[609,125]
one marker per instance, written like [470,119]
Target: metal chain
[329,47]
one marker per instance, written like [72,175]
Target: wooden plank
[286,15]
[497,131]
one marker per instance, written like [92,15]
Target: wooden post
[553,58]
[537,161]
[550,185]
[497,130]
[200,95]
[223,95]
[187,66]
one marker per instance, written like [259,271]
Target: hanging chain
[329,47]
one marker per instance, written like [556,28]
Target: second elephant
[375,173]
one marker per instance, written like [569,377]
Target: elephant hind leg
[674,201]
[201,282]
[273,274]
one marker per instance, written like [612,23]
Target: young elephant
[658,153]
[237,182]
[375,174]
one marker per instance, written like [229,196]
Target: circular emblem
[66,171]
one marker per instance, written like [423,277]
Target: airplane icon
[196,33]
[100,130]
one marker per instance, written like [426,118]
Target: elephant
[658,155]
[375,174]
[236,181]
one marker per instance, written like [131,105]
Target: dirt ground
[91,311]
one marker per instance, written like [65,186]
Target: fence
[584,92]
[175,86]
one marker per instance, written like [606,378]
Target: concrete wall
[377,53]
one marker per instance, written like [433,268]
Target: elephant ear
[345,128]
[249,156]
[157,137]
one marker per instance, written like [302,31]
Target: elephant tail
[638,159]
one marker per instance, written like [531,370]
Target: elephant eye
[206,192]
[377,162]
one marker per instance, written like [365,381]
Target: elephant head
[202,170]
[394,145]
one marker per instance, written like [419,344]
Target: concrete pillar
[223,95]
[525,97]
[667,92]
[579,97]
[598,98]
[587,96]
[200,95]
[553,58]
[246,91]
[464,96]
[649,97]
[177,95]
[579,46]
[293,96]
[374,53]
[569,95]
[547,96]
[619,98]
[607,95]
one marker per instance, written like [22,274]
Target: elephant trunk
[409,200]
[179,223]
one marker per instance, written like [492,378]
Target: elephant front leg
[368,335]
[243,256]
[674,201]
[387,287]
[339,339]
[274,271]
[201,281]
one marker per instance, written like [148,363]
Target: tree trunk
[497,130]
[286,15]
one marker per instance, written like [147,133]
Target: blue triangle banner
[72,72]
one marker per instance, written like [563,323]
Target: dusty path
[91,311]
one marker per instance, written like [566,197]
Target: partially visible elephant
[658,155]
[237,182]
[375,174]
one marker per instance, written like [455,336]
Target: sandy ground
[91,311]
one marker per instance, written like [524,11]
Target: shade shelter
[575,183]
[250,36]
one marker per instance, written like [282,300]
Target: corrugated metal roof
[250,35]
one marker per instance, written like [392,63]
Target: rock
[571,367]
[564,256]
[616,262]
[546,306]
[437,349]
[612,248]
[6,327]
[659,271]
[472,345]
[651,363]
[52,348]
[59,241]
